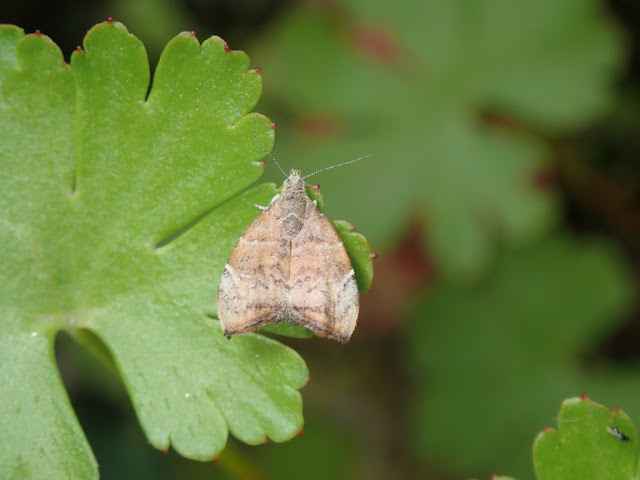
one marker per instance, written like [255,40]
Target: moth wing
[254,284]
[323,293]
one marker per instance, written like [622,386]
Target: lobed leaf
[120,204]
[590,442]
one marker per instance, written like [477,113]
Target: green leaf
[412,84]
[590,443]
[359,252]
[287,329]
[119,208]
[491,361]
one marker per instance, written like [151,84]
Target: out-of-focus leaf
[491,362]
[410,83]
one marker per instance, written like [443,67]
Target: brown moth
[290,264]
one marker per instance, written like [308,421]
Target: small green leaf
[590,443]
[287,329]
[359,252]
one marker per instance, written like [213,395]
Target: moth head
[294,182]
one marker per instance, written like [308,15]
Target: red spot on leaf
[110,20]
[309,380]
[38,32]
[406,271]
[545,178]
[546,429]
[616,409]
[216,459]
[375,43]
[353,229]
[266,440]
[226,47]
[79,48]
[165,450]
[301,433]
[583,396]
[498,119]
[193,33]
[274,125]
[373,256]
[316,187]
[262,163]
[257,70]
[319,126]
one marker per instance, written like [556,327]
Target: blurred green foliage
[413,84]
[507,131]
[502,353]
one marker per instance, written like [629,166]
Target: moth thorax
[293,224]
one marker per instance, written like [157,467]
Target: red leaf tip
[301,433]
[616,409]
[79,48]
[193,33]
[309,380]
[110,20]
[226,47]
[373,256]
[38,32]
[257,69]
[165,450]
[266,440]
[274,125]
[316,187]
[583,396]
[352,228]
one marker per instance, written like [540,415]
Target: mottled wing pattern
[323,292]
[254,286]
[290,264]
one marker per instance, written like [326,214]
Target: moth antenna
[255,135]
[336,166]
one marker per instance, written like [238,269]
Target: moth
[290,265]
